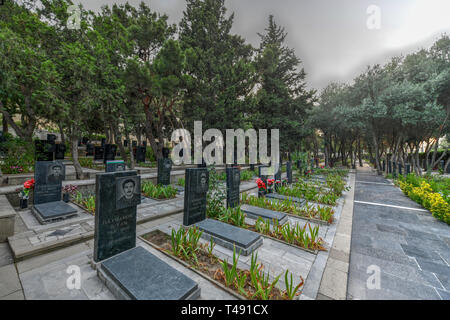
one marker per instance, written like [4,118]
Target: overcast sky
[331,37]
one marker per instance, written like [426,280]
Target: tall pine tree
[220,66]
[282,98]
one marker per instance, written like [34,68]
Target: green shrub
[18,157]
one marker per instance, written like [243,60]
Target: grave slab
[283,197]
[257,212]
[228,236]
[51,211]
[136,274]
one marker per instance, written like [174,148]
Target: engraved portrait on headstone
[202,182]
[128,192]
[55,173]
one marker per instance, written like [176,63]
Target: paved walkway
[397,237]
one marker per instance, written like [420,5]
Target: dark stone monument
[115,166]
[136,274]
[257,212]
[117,195]
[51,138]
[384,165]
[252,167]
[196,187]
[277,176]
[130,272]
[400,168]
[164,168]
[60,151]
[389,166]
[289,171]
[408,168]
[283,197]
[233,182]
[134,143]
[103,142]
[99,153]
[44,150]
[85,140]
[125,143]
[89,149]
[110,152]
[140,154]
[47,202]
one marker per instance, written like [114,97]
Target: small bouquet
[27,186]
[261,184]
[70,189]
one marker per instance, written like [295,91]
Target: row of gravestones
[49,150]
[394,167]
[132,272]
[109,151]
[49,176]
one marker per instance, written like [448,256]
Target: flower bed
[301,237]
[158,192]
[431,193]
[322,213]
[85,200]
[250,284]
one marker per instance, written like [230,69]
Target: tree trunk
[4,125]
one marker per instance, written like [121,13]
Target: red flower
[270,181]
[260,183]
[29,184]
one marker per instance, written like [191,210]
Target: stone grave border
[186,265]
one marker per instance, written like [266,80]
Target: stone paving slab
[409,248]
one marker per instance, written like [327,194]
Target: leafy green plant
[181,182]
[158,191]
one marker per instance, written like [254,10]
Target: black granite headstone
[140,154]
[400,168]
[164,168]
[60,151]
[196,188]
[51,138]
[277,176]
[103,142]
[134,143]
[99,153]
[257,212]
[48,177]
[117,195]
[125,143]
[47,192]
[289,171]
[141,275]
[110,152]
[89,149]
[233,182]
[115,166]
